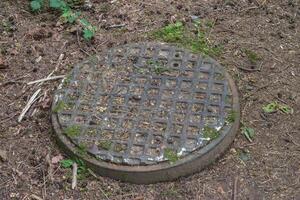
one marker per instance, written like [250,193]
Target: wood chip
[74,175]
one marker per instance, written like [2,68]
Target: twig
[250,8]
[50,167]
[248,69]
[7,118]
[61,56]
[33,196]
[29,104]
[46,79]
[234,189]
[116,26]
[74,175]
[96,177]
[13,81]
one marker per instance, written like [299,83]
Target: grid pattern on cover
[143,100]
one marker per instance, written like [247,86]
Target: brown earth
[30,47]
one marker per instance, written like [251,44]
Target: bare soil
[30,46]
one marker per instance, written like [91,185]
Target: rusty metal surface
[144,104]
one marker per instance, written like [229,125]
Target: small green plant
[171,33]
[67,14]
[180,34]
[210,133]
[36,5]
[231,116]
[59,106]
[249,133]
[72,131]
[244,155]
[274,107]
[252,56]
[82,170]
[171,155]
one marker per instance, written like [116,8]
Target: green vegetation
[248,133]
[171,33]
[252,56]
[81,149]
[119,147]
[157,67]
[59,106]
[210,133]
[72,131]
[171,155]
[231,116]
[67,80]
[196,40]
[274,107]
[67,14]
[105,144]
[82,170]
[244,155]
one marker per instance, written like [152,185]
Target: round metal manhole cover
[146,112]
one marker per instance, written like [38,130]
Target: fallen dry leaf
[56,159]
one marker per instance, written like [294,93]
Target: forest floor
[266,168]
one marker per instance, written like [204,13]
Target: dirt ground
[30,47]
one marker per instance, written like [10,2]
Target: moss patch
[171,155]
[171,33]
[195,39]
[210,133]
[105,144]
[59,106]
[81,149]
[231,116]
[72,131]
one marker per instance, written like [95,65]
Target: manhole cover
[146,112]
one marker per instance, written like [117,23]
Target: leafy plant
[274,107]
[67,14]
[248,133]
[36,5]
[82,170]
[244,155]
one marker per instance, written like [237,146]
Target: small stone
[3,155]
[2,63]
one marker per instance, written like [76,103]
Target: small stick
[13,81]
[33,196]
[234,190]
[74,175]
[50,167]
[61,56]
[116,26]
[96,177]
[29,104]
[46,79]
